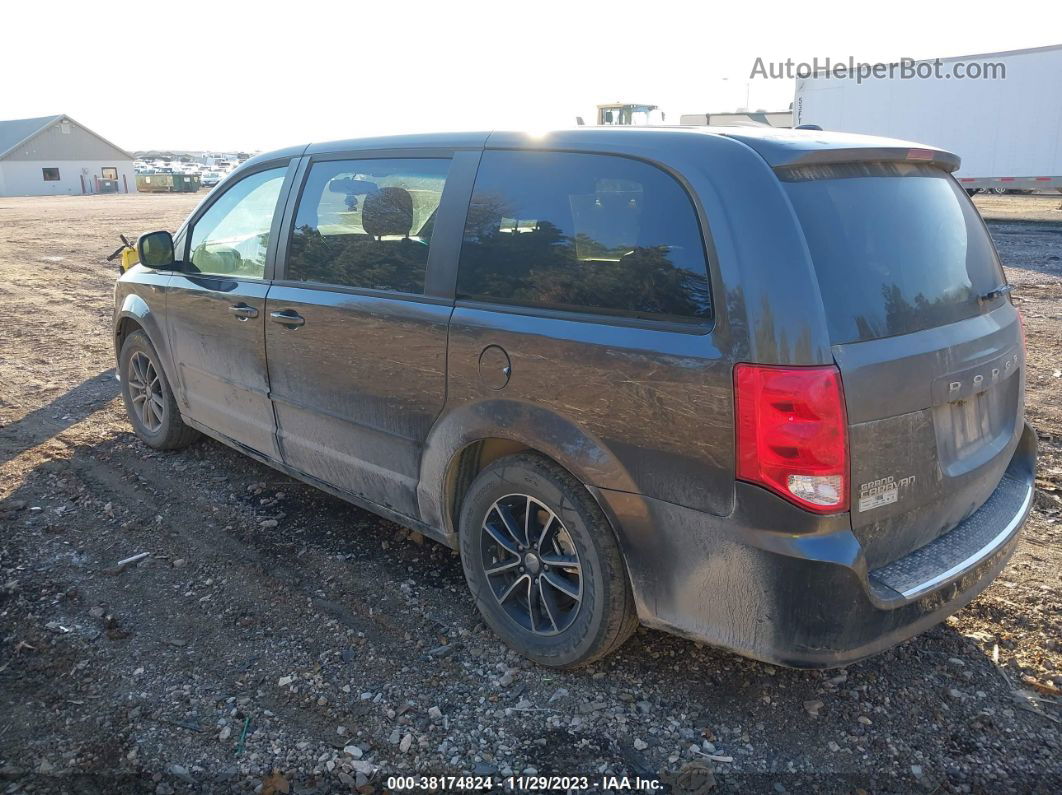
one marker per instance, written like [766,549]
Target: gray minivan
[763,389]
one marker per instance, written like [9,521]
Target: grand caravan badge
[883,491]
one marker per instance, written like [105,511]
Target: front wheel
[148,398]
[542,563]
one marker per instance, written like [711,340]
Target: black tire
[570,632]
[165,432]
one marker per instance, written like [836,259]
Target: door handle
[243,312]
[288,317]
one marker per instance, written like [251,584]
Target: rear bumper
[805,598]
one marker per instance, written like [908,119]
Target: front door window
[232,237]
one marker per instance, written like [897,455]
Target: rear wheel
[148,398]
[542,563]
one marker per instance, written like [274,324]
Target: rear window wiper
[997,292]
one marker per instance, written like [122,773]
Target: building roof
[16,132]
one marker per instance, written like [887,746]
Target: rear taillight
[792,433]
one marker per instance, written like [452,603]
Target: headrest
[389,211]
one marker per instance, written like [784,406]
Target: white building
[741,118]
[1000,112]
[54,155]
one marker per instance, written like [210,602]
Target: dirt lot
[276,638]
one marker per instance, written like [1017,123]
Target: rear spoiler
[793,148]
[882,154]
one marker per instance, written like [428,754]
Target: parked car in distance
[210,179]
[763,389]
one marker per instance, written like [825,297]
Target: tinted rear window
[897,247]
[367,223]
[590,233]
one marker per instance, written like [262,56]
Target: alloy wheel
[145,392]
[531,564]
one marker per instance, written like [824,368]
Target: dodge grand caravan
[761,389]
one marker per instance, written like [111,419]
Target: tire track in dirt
[111,474]
[208,542]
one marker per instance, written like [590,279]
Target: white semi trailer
[1000,112]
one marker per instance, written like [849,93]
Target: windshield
[897,247]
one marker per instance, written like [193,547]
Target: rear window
[367,223]
[897,247]
[582,232]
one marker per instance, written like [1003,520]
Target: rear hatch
[928,344]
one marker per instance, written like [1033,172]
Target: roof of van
[780,147]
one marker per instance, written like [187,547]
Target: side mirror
[155,250]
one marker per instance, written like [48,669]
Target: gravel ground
[274,639]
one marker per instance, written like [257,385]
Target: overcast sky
[241,75]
